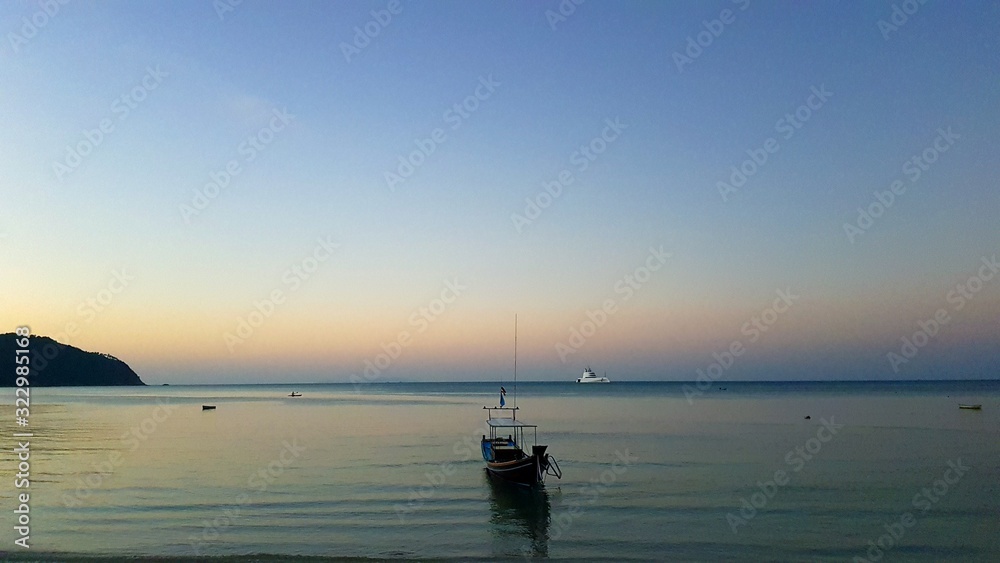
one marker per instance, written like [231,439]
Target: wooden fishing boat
[970,407]
[506,457]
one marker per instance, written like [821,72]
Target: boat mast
[515,368]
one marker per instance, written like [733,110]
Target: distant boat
[208,407]
[590,377]
[294,394]
[505,456]
[970,407]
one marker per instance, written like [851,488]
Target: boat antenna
[515,367]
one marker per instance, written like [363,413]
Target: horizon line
[396,382]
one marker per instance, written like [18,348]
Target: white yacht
[590,377]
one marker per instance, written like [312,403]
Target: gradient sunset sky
[113,241]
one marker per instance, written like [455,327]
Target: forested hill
[53,365]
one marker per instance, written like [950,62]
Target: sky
[242,192]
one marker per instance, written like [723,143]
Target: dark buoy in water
[808,417]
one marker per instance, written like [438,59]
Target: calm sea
[748,472]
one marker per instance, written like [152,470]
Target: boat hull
[526,471]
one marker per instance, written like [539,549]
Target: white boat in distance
[590,377]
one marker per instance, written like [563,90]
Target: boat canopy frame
[517,435]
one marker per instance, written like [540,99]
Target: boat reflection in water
[520,518]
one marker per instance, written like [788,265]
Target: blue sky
[215,79]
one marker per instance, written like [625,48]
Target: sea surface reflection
[520,518]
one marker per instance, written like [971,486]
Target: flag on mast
[502,393]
